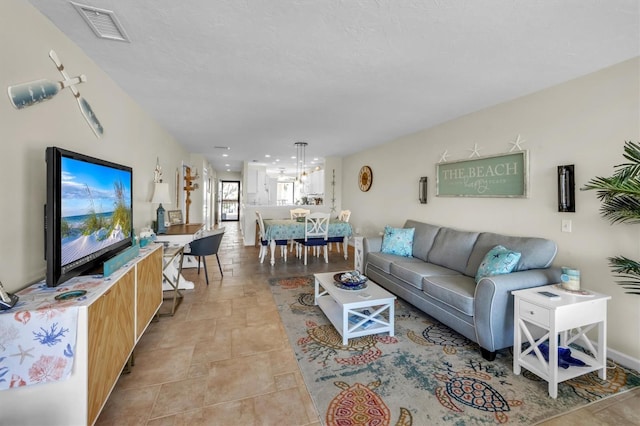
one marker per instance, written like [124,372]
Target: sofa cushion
[398,241]
[535,252]
[456,291]
[383,261]
[423,238]
[452,248]
[414,270]
[498,260]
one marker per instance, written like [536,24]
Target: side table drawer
[534,313]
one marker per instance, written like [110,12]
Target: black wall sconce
[422,189]
[566,189]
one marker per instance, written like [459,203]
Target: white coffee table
[339,305]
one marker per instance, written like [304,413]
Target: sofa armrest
[370,244]
[493,304]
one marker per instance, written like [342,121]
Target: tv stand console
[110,320]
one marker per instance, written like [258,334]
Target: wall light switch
[566,225]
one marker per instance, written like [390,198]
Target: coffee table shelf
[338,305]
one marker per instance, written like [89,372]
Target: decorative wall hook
[34,92]
[189,186]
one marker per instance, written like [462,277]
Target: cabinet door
[111,340]
[148,290]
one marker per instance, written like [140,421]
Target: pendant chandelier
[301,148]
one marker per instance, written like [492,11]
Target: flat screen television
[88,215]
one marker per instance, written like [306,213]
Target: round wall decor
[365,178]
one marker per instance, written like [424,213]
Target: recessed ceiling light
[225,155]
[267,156]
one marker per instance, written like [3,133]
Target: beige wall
[131,137]
[583,122]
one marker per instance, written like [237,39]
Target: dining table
[291,229]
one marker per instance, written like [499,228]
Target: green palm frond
[628,270]
[620,197]
[621,209]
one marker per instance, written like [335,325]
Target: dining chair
[294,214]
[316,232]
[264,243]
[206,246]
[344,216]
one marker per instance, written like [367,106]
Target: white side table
[570,317]
[358,252]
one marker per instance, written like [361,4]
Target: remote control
[550,295]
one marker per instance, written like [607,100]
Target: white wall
[131,137]
[583,122]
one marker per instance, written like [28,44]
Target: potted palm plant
[620,197]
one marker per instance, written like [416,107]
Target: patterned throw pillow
[498,260]
[398,241]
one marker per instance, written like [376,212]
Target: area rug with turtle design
[426,374]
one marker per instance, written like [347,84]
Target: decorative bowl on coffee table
[351,280]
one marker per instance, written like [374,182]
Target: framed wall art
[503,175]
[175,217]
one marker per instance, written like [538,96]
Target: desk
[181,235]
[171,274]
[288,229]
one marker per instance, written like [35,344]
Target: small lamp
[160,195]
[566,189]
[422,189]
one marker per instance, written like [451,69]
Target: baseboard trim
[623,359]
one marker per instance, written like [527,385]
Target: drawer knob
[531,312]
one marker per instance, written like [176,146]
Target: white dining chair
[294,214]
[344,216]
[316,233]
[264,243]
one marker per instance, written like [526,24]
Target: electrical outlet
[566,225]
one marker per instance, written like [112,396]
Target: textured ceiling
[343,75]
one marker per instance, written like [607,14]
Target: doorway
[230,201]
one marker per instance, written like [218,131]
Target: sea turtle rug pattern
[425,374]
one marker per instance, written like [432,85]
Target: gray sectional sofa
[439,279]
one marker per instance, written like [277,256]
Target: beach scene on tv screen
[95,207]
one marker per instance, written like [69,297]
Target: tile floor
[224,358]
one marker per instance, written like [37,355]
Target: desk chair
[316,232]
[264,243]
[343,216]
[206,246]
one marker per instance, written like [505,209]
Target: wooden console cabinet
[110,322]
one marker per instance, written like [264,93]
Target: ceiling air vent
[103,22]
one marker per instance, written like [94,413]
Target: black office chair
[206,246]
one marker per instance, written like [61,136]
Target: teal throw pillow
[398,241]
[498,260]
